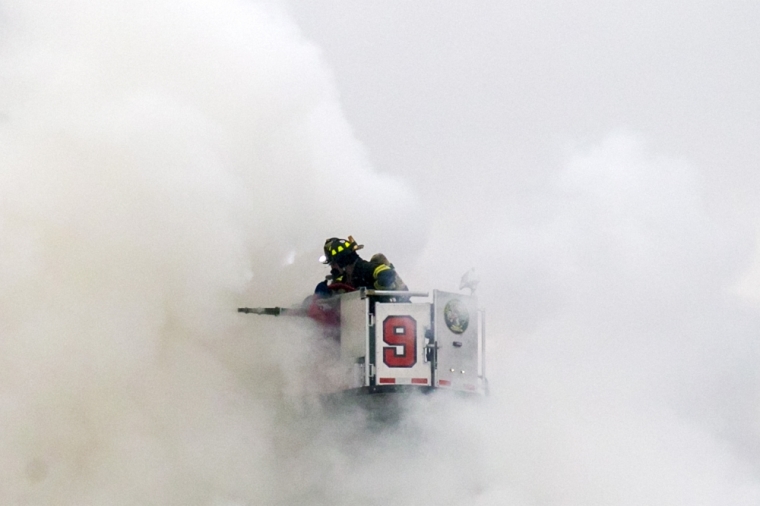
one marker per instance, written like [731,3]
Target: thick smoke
[162,163]
[623,364]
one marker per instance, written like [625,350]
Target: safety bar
[395,293]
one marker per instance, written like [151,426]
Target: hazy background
[163,162]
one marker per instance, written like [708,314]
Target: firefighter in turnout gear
[350,270]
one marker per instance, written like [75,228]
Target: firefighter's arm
[385,277]
[322,289]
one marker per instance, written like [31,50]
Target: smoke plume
[164,162]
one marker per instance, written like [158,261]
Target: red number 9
[400,332]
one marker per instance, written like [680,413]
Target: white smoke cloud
[622,364]
[163,162]
[617,390]
[158,162]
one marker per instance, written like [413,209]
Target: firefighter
[349,269]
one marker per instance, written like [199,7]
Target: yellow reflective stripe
[380,268]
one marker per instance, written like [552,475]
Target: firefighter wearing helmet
[351,271]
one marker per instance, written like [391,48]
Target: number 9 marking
[400,332]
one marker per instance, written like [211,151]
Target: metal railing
[394,293]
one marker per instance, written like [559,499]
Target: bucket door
[400,357]
[456,335]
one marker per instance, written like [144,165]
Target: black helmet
[340,251]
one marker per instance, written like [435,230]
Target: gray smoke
[162,163]
[623,357]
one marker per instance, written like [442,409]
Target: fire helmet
[340,251]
